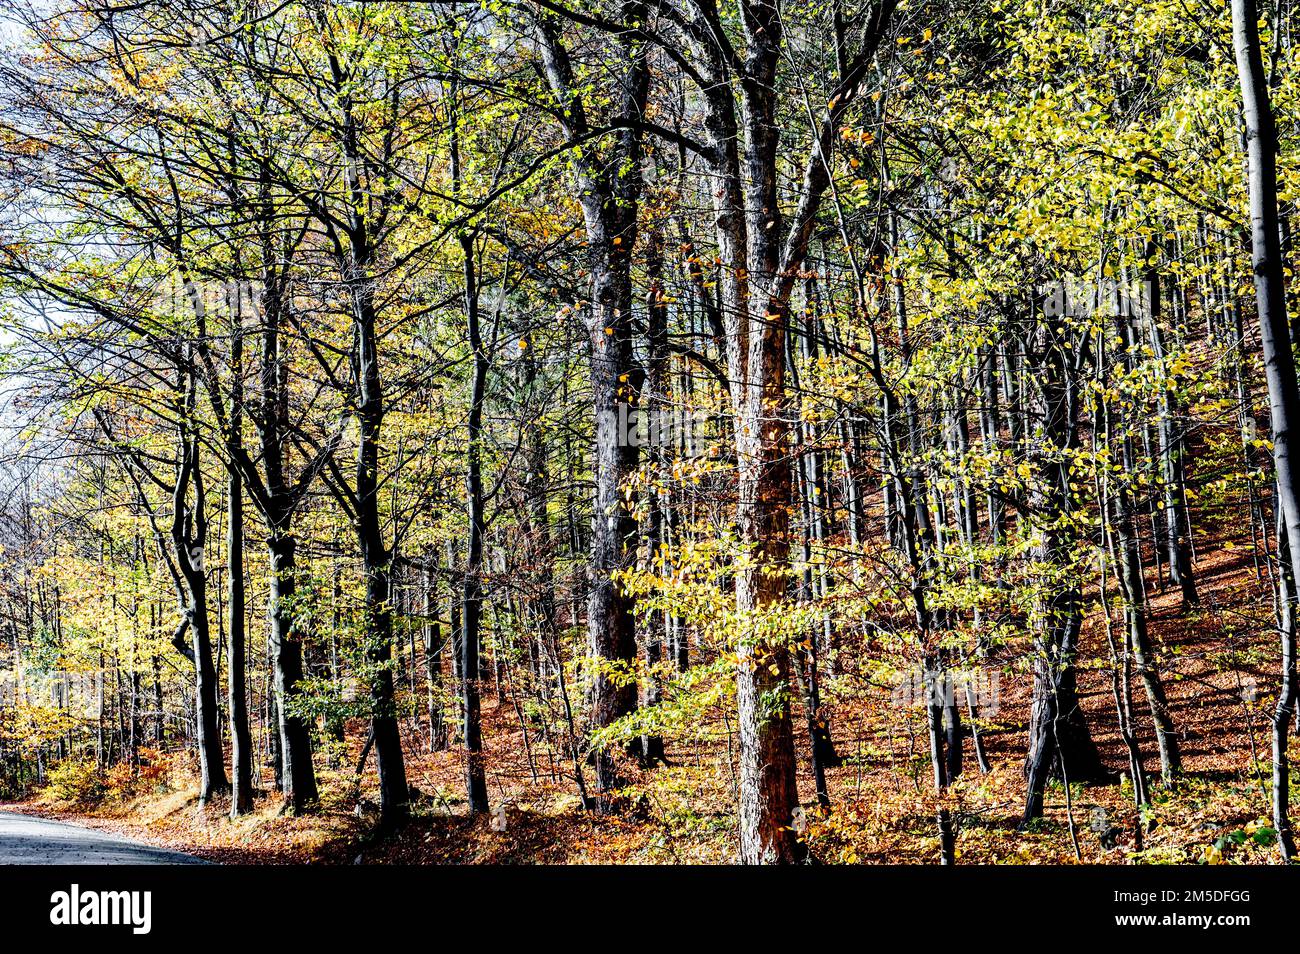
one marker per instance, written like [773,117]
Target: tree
[1279,360]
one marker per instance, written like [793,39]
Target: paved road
[26,840]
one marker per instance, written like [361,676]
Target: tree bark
[296,772]
[1059,739]
[189,537]
[1279,361]
[241,743]
[471,582]
[609,190]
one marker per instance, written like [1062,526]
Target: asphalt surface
[26,840]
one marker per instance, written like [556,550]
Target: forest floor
[882,807]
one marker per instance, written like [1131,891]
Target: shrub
[124,780]
[76,781]
[120,781]
[155,770]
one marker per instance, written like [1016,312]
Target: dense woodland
[793,427]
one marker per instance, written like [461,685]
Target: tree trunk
[1279,361]
[189,536]
[609,187]
[241,743]
[433,656]
[1059,740]
[1132,584]
[1177,541]
[654,412]
[377,561]
[472,595]
[297,774]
